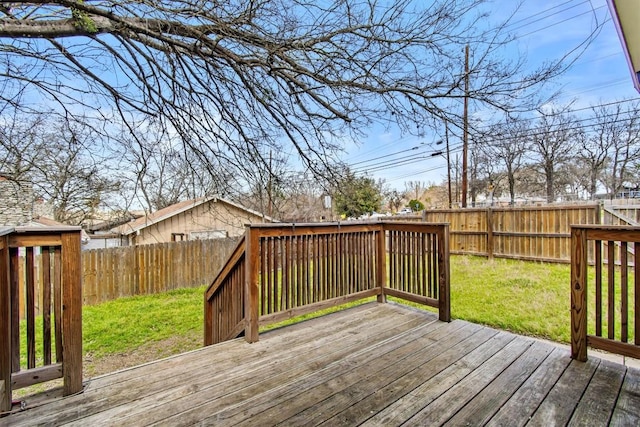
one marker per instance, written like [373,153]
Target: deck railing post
[5,327]
[382,263]
[444,288]
[251,292]
[71,312]
[578,294]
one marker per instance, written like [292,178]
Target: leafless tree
[506,146]
[552,139]
[616,131]
[53,157]
[229,78]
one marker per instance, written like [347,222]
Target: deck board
[376,364]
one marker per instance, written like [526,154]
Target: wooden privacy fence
[283,270]
[147,269]
[605,306]
[540,233]
[59,354]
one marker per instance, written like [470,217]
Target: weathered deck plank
[378,364]
[524,402]
[628,405]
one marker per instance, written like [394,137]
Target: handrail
[607,328]
[60,291]
[225,295]
[286,270]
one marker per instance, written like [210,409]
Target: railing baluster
[31,307]
[598,277]
[611,289]
[624,298]
[57,301]
[14,278]
[46,304]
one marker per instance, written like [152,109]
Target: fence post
[5,327]
[490,233]
[251,313]
[71,312]
[382,262]
[578,294]
[444,291]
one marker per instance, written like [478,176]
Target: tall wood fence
[147,269]
[535,233]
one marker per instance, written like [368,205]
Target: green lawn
[524,297]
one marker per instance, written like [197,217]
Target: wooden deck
[377,364]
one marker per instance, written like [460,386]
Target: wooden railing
[283,270]
[605,305]
[59,355]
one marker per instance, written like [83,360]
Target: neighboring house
[201,218]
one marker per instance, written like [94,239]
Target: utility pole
[465,124]
[446,137]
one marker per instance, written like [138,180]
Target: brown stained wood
[617,347]
[611,290]
[483,406]
[444,286]
[5,326]
[251,285]
[36,375]
[407,406]
[598,284]
[14,288]
[443,408]
[31,307]
[526,399]
[263,277]
[597,402]
[71,312]
[311,308]
[636,293]
[34,240]
[578,294]
[57,301]
[626,411]
[624,293]
[358,402]
[559,404]
[234,258]
[46,304]
[316,401]
[246,374]
[490,234]
[381,263]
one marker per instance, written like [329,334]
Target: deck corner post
[5,327]
[444,288]
[579,294]
[382,263]
[71,312]
[251,313]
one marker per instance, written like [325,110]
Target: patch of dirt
[95,366]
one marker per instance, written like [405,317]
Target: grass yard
[523,297]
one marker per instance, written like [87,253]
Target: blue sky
[544,30]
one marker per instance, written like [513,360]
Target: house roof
[625,15]
[175,209]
